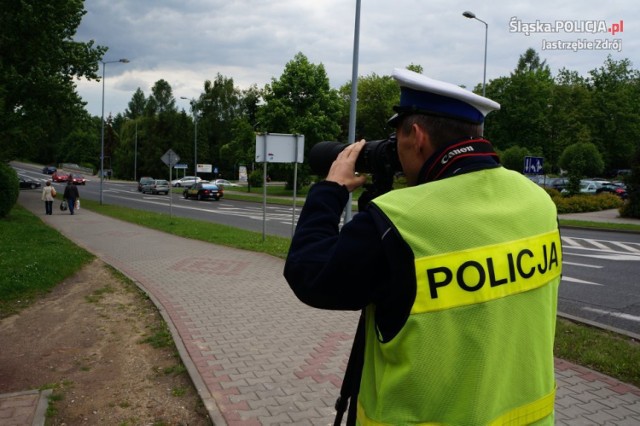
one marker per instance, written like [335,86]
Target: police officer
[457,273]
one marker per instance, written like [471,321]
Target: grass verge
[607,352]
[33,259]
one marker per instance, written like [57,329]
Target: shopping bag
[53,192]
[77,204]
[63,205]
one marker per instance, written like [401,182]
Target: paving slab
[256,354]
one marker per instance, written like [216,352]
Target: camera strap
[452,154]
[351,381]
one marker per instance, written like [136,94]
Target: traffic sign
[170,158]
[533,165]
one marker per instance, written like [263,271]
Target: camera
[378,158]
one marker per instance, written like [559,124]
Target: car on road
[143,181]
[78,179]
[60,176]
[185,181]
[156,186]
[225,183]
[26,183]
[204,191]
[49,170]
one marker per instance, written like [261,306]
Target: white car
[185,181]
[224,183]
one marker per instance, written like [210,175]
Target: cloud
[188,42]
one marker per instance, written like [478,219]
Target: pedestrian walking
[71,194]
[48,194]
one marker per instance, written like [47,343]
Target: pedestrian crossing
[612,250]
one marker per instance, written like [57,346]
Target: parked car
[618,189]
[224,183]
[60,176]
[144,180]
[204,191]
[557,183]
[26,183]
[49,170]
[186,181]
[78,179]
[156,186]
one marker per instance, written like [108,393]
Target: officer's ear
[423,145]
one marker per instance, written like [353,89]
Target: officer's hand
[343,168]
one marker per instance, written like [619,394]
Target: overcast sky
[187,42]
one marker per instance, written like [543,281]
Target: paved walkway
[255,353]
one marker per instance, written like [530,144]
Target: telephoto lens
[376,157]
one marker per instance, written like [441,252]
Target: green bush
[585,203]
[255,179]
[9,188]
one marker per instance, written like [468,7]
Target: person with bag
[71,194]
[48,194]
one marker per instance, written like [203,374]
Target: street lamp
[195,138]
[472,15]
[104,63]
[135,155]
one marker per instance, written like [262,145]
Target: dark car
[156,186]
[203,191]
[78,179]
[49,170]
[26,183]
[558,183]
[613,188]
[59,176]
[144,181]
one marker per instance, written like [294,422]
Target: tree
[569,111]
[38,101]
[615,113]
[524,96]
[513,158]
[302,102]
[9,190]
[137,105]
[219,107]
[581,159]
[376,97]
[632,207]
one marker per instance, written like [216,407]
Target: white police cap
[420,94]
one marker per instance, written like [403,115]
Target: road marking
[613,314]
[626,247]
[612,256]
[584,265]
[598,244]
[577,281]
[571,242]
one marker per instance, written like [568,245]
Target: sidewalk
[255,353]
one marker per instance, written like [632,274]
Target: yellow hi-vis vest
[477,348]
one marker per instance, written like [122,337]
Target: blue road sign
[533,165]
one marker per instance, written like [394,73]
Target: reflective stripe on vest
[520,416]
[486,273]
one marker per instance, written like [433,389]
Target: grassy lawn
[33,259]
[32,266]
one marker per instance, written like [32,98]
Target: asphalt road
[601,279]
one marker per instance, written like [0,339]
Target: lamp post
[135,155]
[104,63]
[195,138]
[472,15]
